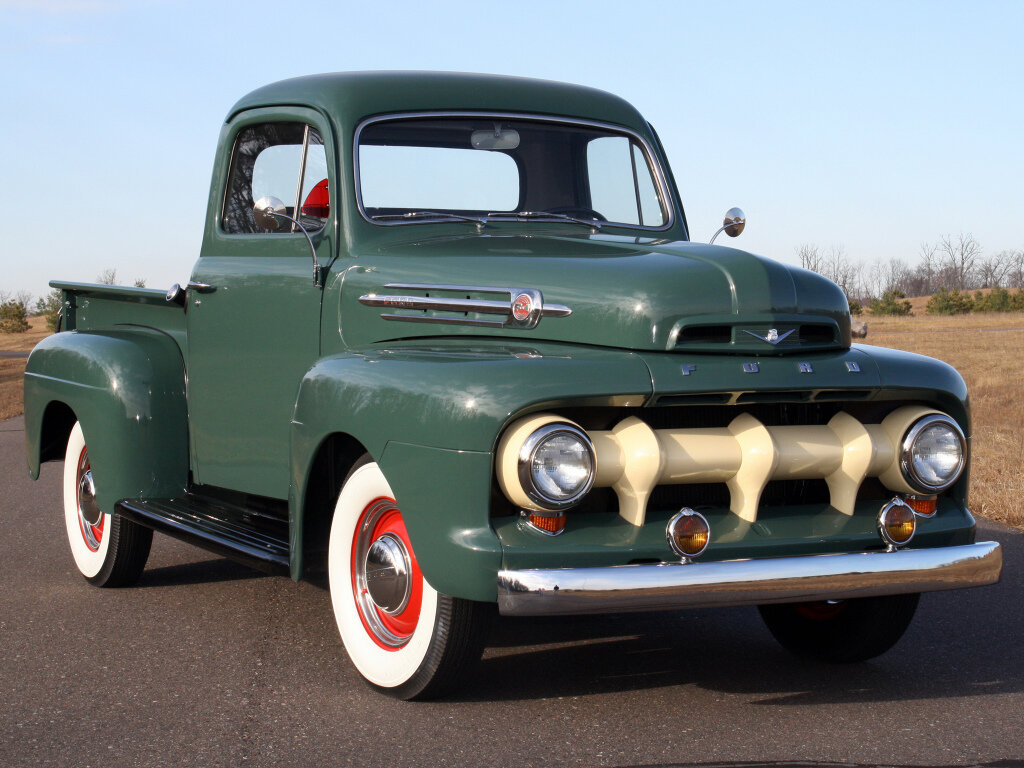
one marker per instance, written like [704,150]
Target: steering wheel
[577,211]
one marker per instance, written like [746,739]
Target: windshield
[433,169]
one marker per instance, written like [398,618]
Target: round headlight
[933,453]
[556,465]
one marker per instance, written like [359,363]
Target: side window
[282,160]
[621,185]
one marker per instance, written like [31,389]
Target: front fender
[127,388]
[430,416]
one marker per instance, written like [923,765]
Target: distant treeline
[948,271]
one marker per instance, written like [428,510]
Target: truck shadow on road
[204,572]
[960,643]
[729,651]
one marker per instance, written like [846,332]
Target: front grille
[747,337]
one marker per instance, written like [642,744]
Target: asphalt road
[208,663]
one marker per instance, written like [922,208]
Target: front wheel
[404,638]
[841,631]
[108,550]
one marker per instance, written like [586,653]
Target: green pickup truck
[449,347]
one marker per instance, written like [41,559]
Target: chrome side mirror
[735,221]
[267,211]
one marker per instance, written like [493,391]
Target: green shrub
[856,308]
[893,302]
[13,317]
[997,300]
[1017,301]
[946,302]
[49,306]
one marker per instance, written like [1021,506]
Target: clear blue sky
[874,126]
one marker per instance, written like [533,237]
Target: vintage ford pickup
[449,345]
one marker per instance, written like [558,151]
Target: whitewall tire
[108,550]
[403,637]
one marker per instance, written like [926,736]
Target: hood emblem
[522,307]
[772,337]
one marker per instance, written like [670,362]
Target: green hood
[628,293]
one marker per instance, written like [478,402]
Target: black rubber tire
[855,630]
[127,556]
[459,638]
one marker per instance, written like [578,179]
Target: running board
[251,537]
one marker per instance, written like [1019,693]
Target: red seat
[318,201]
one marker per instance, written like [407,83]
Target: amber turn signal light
[897,523]
[922,505]
[551,523]
[688,533]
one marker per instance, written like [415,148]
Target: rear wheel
[108,550]
[841,630]
[404,638]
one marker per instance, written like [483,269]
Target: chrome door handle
[200,287]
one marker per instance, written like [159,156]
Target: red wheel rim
[391,631]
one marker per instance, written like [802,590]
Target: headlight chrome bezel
[907,453]
[529,450]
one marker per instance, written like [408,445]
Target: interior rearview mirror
[499,138]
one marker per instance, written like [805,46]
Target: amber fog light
[688,533]
[897,523]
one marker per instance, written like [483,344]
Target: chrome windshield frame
[660,176]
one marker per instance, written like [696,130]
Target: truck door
[253,309]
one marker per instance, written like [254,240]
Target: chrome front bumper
[667,586]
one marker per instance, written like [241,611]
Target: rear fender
[127,389]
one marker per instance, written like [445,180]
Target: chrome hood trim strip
[523,308]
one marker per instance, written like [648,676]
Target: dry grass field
[982,347]
[12,369]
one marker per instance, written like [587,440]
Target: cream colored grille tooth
[759,460]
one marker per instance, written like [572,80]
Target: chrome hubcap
[387,577]
[87,508]
[383,575]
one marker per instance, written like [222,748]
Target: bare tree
[835,265]
[886,276]
[993,271]
[811,258]
[958,256]
[140,282]
[1015,272]
[107,277]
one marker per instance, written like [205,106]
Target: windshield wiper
[525,215]
[480,222]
